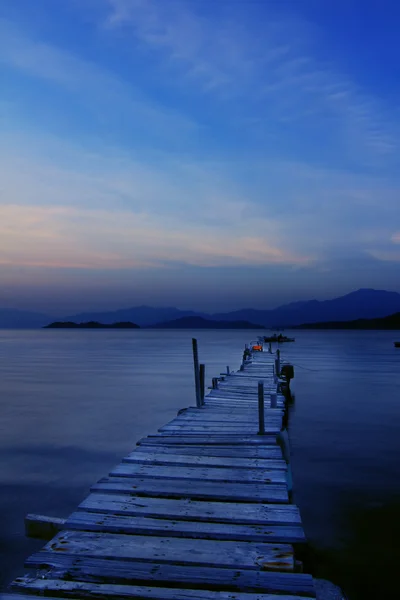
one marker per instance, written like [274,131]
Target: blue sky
[203,153]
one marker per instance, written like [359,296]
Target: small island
[91,325]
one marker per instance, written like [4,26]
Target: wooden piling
[277,367]
[261,416]
[202,371]
[196,371]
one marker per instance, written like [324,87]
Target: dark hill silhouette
[390,322]
[142,315]
[90,325]
[201,323]
[362,304]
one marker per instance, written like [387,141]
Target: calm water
[73,403]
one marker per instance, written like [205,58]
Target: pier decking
[199,510]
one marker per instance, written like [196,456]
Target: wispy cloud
[271,64]
[68,237]
[184,212]
[102,211]
[108,97]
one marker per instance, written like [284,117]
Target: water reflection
[73,403]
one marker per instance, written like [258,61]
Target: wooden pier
[199,510]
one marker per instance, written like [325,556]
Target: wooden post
[215,383]
[196,372]
[274,400]
[202,372]
[261,422]
[273,373]
[270,347]
[277,367]
[228,371]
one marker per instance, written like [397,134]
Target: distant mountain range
[90,325]
[201,323]
[142,315]
[390,322]
[362,304]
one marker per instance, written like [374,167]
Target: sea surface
[72,403]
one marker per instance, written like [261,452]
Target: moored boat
[278,338]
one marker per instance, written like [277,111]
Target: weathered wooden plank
[226,429]
[209,578]
[243,391]
[240,393]
[220,403]
[156,458]
[39,586]
[205,490]
[218,414]
[192,510]
[204,439]
[239,399]
[229,410]
[108,523]
[252,452]
[42,526]
[225,421]
[222,399]
[244,399]
[233,554]
[246,382]
[199,473]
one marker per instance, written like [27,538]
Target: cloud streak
[107,96]
[270,64]
[68,237]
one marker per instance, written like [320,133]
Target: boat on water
[397,344]
[280,339]
[256,346]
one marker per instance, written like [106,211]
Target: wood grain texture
[192,510]
[233,554]
[155,458]
[203,490]
[110,523]
[199,473]
[207,577]
[112,590]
